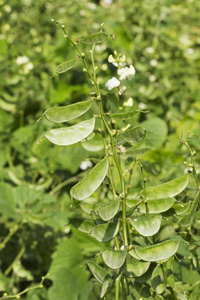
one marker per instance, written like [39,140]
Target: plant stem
[19,255]
[10,234]
[170,288]
[117,286]
[17,296]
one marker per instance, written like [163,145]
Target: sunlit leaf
[147,226]
[159,251]
[154,206]
[136,269]
[83,225]
[108,211]
[94,144]
[188,218]
[168,189]
[94,38]
[70,135]
[107,284]
[114,259]
[125,115]
[157,280]
[66,66]
[97,271]
[67,113]
[88,185]
[134,135]
[105,232]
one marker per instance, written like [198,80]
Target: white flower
[85,164]
[153,62]
[142,105]
[126,73]
[190,51]
[108,2]
[92,5]
[122,61]
[22,60]
[149,50]
[152,78]
[28,68]
[112,83]
[7,8]
[122,149]
[129,102]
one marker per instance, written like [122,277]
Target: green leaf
[181,208]
[68,254]
[134,135]
[188,218]
[168,189]
[157,280]
[136,269]
[154,206]
[108,211]
[159,251]
[156,129]
[70,135]
[88,185]
[83,225]
[125,115]
[66,66]
[97,271]
[67,113]
[147,226]
[94,144]
[143,289]
[107,284]
[105,232]
[68,284]
[114,259]
[7,204]
[94,38]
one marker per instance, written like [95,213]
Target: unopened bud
[63,26]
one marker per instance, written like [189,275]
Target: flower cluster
[123,71]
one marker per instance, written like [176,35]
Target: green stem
[19,255]
[170,288]
[17,296]
[8,237]
[117,286]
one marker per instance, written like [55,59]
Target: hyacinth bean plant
[124,220]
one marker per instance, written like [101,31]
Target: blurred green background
[162,40]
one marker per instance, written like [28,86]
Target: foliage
[137,208]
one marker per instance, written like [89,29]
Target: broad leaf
[136,269]
[134,135]
[147,226]
[70,135]
[154,206]
[88,185]
[97,271]
[66,66]
[107,284]
[83,225]
[114,259]
[168,189]
[108,211]
[159,251]
[67,113]
[94,38]
[188,218]
[105,232]
[125,115]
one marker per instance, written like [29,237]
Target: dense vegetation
[161,40]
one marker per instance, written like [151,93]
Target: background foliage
[161,39]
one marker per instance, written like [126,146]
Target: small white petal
[112,83]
